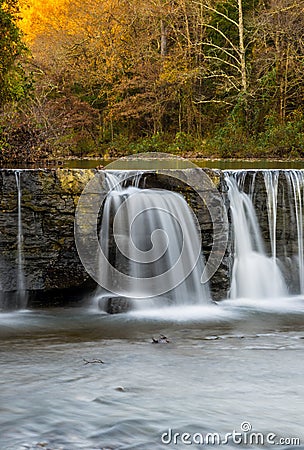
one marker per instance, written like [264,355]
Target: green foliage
[154,143]
[284,139]
[14,85]
[4,148]
[182,143]
[231,141]
[122,96]
[278,139]
[229,9]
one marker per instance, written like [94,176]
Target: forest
[198,78]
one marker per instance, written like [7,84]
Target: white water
[254,274]
[284,206]
[271,179]
[157,245]
[257,272]
[228,364]
[21,294]
[155,227]
[295,180]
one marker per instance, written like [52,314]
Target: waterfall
[151,238]
[271,179]
[21,294]
[295,181]
[267,209]
[254,274]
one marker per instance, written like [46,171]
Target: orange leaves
[79,34]
[42,17]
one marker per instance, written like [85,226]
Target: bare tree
[225,50]
[278,65]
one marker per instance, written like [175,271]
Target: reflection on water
[225,364]
[223,164]
[170,163]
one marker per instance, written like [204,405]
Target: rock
[51,262]
[116,305]
[53,271]
[161,340]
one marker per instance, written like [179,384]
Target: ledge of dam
[53,272]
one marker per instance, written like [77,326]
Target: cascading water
[150,235]
[266,209]
[295,182]
[153,227]
[254,274]
[267,213]
[21,294]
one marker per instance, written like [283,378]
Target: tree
[225,49]
[278,63]
[12,78]
[166,67]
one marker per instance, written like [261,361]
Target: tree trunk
[242,48]
[163,40]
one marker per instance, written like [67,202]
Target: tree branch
[198,102]
[221,14]
[223,75]
[287,8]
[223,50]
[224,36]
[224,62]
[94,361]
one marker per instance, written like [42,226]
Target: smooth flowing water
[151,238]
[212,163]
[21,294]
[254,274]
[295,180]
[225,365]
[77,378]
[267,209]
[223,164]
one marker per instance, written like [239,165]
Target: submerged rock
[116,305]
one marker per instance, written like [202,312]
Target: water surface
[223,164]
[171,162]
[239,361]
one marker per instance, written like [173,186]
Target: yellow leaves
[88,17]
[177,71]
[42,17]
[87,32]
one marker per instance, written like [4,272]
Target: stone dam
[52,270]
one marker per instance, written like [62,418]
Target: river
[227,367]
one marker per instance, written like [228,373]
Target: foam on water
[225,311]
[189,313]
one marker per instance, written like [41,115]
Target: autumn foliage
[225,75]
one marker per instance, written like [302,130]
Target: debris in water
[161,340]
[93,361]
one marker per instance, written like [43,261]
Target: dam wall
[52,271]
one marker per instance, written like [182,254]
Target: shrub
[283,139]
